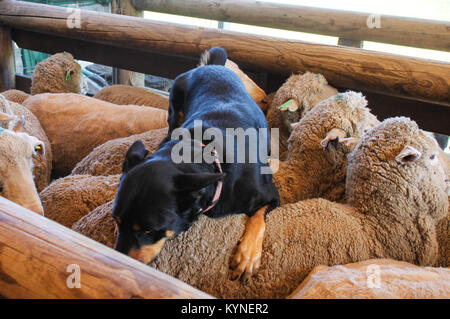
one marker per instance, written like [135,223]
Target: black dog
[158,198]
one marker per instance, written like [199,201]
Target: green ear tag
[285,105]
[67,76]
[339,97]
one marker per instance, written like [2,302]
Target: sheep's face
[62,69]
[16,179]
[395,170]
[299,94]
[155,200]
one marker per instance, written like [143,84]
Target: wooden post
[350,43]
[7,70]
[42,259]
[121,76]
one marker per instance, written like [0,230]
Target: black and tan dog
[159,197]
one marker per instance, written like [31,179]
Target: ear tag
[339,97]
[67,76]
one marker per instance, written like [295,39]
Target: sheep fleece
[15,96]
[76,124]
[124,95]
[68,199]
[107,159]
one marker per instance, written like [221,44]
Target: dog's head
[155,201]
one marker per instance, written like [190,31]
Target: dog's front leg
[247,259]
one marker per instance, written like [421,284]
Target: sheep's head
[299,94]
[257,94]
[59,73]
[16,178]
[343,115]
[395,171]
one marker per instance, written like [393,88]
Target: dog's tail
[215,55]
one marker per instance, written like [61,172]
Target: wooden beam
[125,58]
[413,32]
[170,66]
[38,256]
[7,69]
[348,67]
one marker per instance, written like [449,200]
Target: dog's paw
[246,260]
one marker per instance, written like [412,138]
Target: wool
[76,124]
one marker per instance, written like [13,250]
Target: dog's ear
[196,181]
[135,155]
[215,56]
[176,101]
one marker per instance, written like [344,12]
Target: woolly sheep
[125,94]
[375,278]
[42,161]
[16,164]
[59,73]
[15,96]
[76,124]
[305,91]
[107,159]
[316,166]
[397,193]
[68,199]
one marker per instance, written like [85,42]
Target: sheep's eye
[432,157]
[1,188]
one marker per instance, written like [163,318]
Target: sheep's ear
[135,155]
[408,154]
[350,142]
[196,181]
[19,125]
[4,117]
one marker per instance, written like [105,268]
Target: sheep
[68,199]
[107,159]
[303,91]
[98,225]
[59,73]
[42,161]
[396,194]
[16,165]
[76,124]
[375,278]
[15,95]
[316,166]
[124,95]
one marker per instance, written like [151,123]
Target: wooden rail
[357,26]
[346,67]
[38,258]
